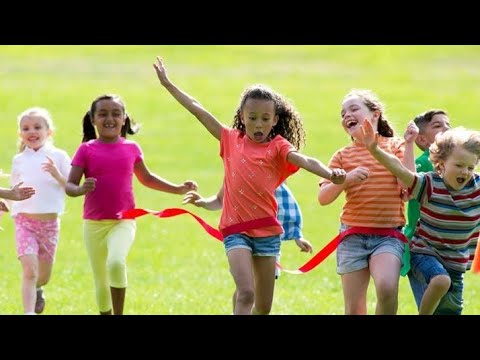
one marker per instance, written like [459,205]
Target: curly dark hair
[290,123]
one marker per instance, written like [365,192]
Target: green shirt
[422,164]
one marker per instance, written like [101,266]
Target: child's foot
[40,303]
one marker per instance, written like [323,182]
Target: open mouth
[351,123]
[461,180]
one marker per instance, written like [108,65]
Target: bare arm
[155,182]
[72,187]
[391,162]
[315,166]
[188,102]
[409,155]
[214,202]
[330,192]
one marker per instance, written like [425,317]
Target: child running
[373,201]
[37,220]
[289,215]
[259,152]
[108,161]
[445,238]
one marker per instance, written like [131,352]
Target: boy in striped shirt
[445,238]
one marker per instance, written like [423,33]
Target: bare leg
[29,282]
[355,285]
[118,299]
[385,270]
[436,289]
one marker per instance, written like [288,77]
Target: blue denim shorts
[355,251]
[423,269]
[259,246]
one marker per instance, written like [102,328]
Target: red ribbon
[311,264]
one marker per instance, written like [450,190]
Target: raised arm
[214,202]
[391,162]
[188,102]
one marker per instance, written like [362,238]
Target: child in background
[289,215]
[108,164]
[373,201]
[259,152]
[37,220]
[445,238]
[429,123]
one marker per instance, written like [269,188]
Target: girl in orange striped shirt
[373,200]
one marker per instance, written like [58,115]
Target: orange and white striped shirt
[375,202]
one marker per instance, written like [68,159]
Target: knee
[387,291]
[440,283]
[115,266]
[245,296]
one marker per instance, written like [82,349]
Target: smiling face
[457,170]
[354,112]
[259,118]
[108,118]
[34,131]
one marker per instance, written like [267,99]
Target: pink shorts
[37,237]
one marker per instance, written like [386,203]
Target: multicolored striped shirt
[449,223]
[289,214]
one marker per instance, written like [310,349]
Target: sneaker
[40,303]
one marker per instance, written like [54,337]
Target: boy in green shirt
[429,123]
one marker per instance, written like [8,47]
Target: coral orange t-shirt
[252,173]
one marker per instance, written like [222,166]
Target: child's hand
[188,186]
[368,136]
[50,167]
[192,197]
[88,185]
[358,174]
[338,176]
[21,193]
[161,72]
[411,133]
[304,245]
[4,206]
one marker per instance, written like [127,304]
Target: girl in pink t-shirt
[259,152]
[108,163]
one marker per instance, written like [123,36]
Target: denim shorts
[259,246]
[423,269]
[355,251]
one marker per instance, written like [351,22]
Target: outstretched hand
[21,193]
[338,176]
[161,71]
[192,197]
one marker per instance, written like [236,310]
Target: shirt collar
[42,150]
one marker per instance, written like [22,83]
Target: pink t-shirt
[252,173]
[112,166]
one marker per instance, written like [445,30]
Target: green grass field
[175,267]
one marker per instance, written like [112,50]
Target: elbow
[323,200]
